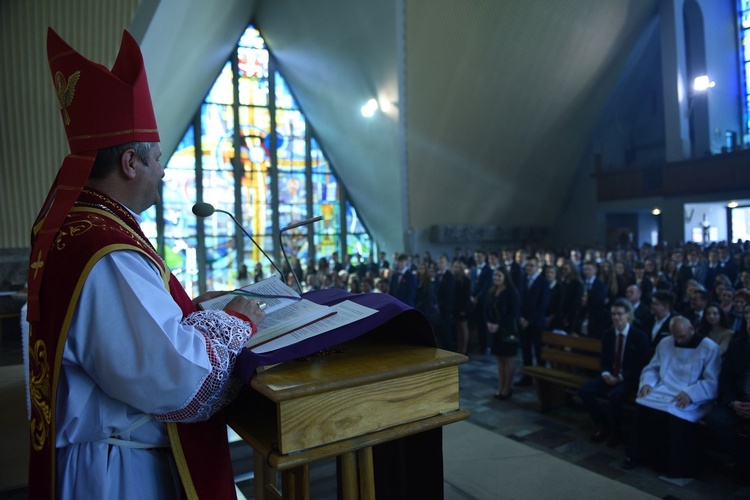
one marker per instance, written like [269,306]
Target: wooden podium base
[340,405]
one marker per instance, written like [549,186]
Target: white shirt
[657,325]
[129,354]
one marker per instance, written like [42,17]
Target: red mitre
[102,108]
[99,109]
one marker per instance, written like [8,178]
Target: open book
[286,311]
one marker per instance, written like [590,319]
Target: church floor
[519,452]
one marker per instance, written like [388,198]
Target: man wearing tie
[625,351]
[593,319]
[534,301]
[403,283]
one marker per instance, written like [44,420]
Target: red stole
[96,226]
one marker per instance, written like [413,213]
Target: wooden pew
[569,363]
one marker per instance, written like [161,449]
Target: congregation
[673,321]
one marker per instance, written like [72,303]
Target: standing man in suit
[625,351]
[534,302]
[643,282]
[593,320]
[481,281]
[698,268]
[712,269]
[445,286]
[517,270]
[726,264]
[640,309]
[657,326]
[403,283]
[681,275]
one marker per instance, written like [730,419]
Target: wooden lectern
[365,393]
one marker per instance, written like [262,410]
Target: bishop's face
[150,175]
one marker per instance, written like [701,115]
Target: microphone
[281,244]
[303,222]
[206,210]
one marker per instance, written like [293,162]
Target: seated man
[625,351]
[733,407]
[677,389]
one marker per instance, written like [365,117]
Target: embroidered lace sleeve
[225,337]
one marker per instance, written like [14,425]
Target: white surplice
[674,369]
[129,354]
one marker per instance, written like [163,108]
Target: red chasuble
[96,226]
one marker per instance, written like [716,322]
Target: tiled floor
[562,433]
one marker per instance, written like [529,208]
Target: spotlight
[369,108]
[703,83]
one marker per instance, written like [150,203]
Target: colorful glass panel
[255,179]
[744,33]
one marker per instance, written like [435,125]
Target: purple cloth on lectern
[413,328]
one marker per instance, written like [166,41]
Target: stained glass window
[745,60]
[264,188]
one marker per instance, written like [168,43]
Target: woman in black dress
[461,305]
[502,311]
[572,295]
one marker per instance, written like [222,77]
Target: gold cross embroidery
[38,264]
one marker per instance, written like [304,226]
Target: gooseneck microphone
[302,223]
[281,244]
[206,210]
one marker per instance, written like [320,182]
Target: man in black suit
[698,269]
[726,264]
[403,284]
[733,408]
[445,285]
[712,269]
[643,282]
[625,351]
[534,302]
[682,274]
[641,311]
[657,325]
[698,303]
[517,269]
[594,318]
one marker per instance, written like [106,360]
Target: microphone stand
[283,252]
[281,274]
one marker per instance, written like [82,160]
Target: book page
[293,313]
[346,312]
[272,291]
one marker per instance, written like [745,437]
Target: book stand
[366,393]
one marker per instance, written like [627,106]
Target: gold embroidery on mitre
[40,394]
[36,266]
[66,90]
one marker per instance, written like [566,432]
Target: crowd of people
[673,323]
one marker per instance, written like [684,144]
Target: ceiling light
[656,211]
[732,204]
[369,108]
[703,83]
[385,105]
